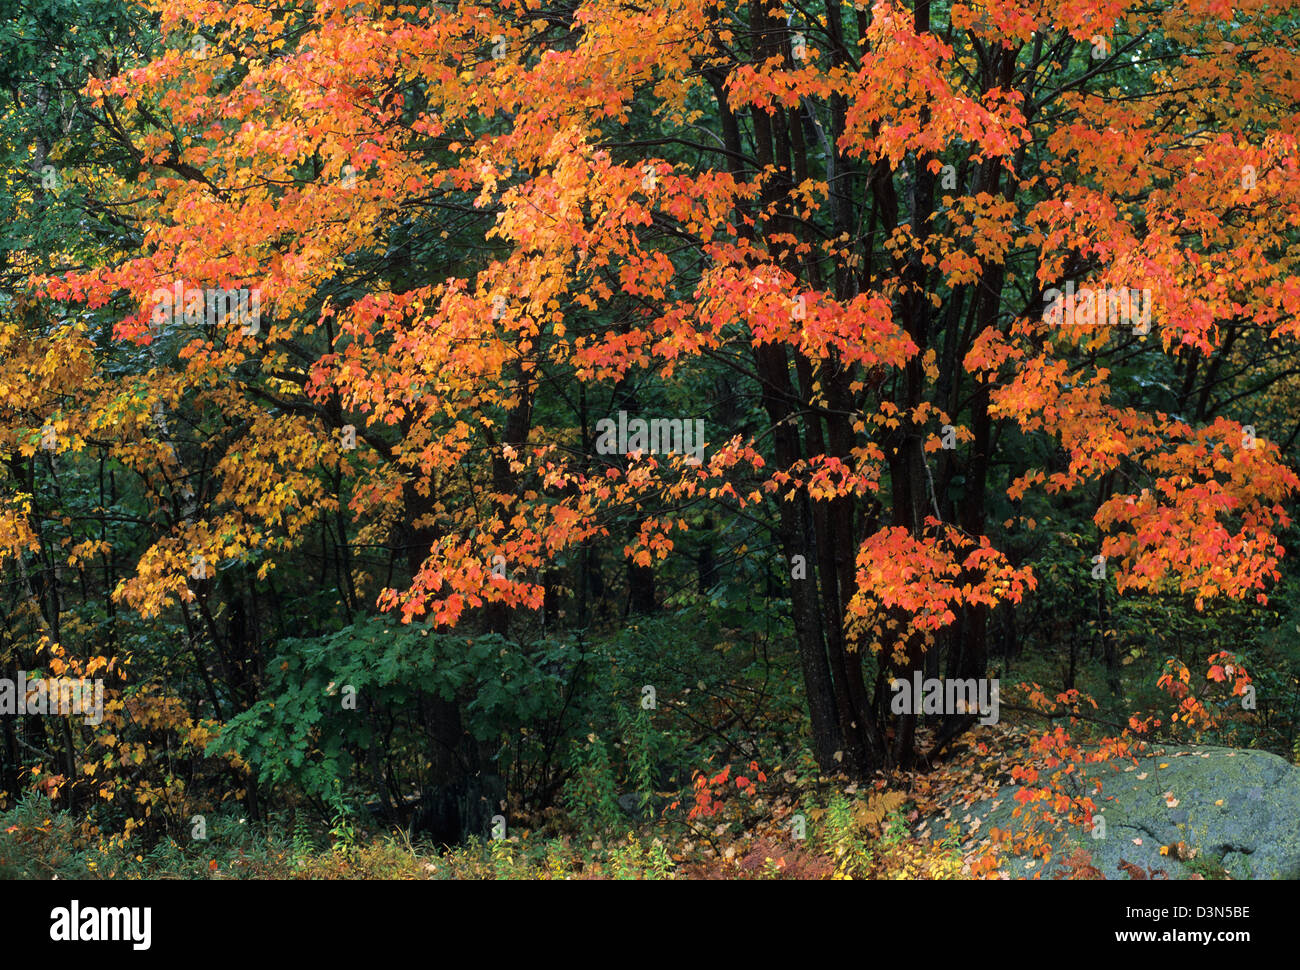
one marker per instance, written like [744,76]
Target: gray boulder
[1239,809]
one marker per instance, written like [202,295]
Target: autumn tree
[877,223]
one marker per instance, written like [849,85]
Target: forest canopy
[547,416]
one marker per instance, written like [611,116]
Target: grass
[39,841]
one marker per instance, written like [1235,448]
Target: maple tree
[838,233]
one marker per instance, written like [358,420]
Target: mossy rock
[1239,809]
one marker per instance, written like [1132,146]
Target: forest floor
[784,823]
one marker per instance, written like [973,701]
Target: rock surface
[1239,808]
